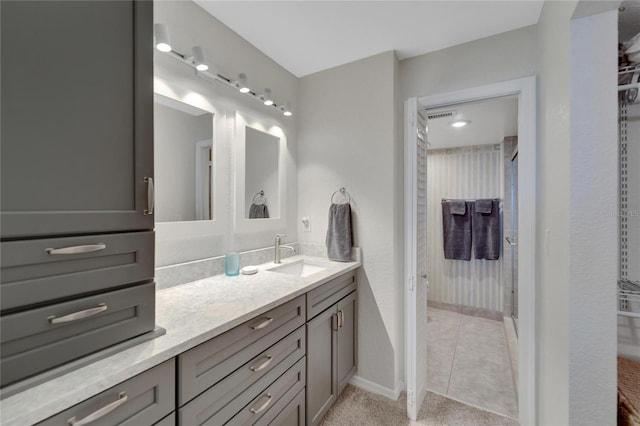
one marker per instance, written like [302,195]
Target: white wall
[348,138]
[189,25]
[593,233]
[576,255]
[552,254]
[467,173]
[497,58]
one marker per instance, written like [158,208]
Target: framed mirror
[262,177]
[259,162]
[183,160]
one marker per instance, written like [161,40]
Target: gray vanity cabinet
[331,344]
[77,117]
[247,375]
[144,399]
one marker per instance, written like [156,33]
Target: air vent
[441,114]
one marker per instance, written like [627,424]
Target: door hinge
[411,282]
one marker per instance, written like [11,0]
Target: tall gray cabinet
[76,218]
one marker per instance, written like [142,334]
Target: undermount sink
[299,268]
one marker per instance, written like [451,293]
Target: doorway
[415,339]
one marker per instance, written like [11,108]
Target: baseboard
[372,387]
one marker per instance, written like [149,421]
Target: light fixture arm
[210,76]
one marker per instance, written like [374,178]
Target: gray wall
[348,138]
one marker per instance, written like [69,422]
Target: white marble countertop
[191,313]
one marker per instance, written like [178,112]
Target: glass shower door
[514,240]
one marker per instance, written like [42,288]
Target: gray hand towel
[483,206]
[486,232]
[458,207]
[258,211]
[339,233]
[456,231]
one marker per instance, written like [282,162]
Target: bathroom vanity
[276,347]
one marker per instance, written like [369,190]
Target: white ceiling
[305,37]
[491,121]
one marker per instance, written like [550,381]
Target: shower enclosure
[513,240]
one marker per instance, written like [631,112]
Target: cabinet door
[322,348]
[347,320]
[77,116]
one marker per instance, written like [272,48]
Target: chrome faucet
[276,257]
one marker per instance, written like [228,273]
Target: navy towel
[456,230]
[258,211]
[339,233]
[486,230]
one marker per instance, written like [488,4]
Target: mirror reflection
[262,183]
[183,155]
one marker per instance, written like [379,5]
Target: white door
[415,256]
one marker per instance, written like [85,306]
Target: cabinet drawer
[36,271]
[328,294]
[170,420]
[258,363]
[36,340]
[142,400]
[283,381]
[209,363]
[283,413]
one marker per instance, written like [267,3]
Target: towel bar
[343,192]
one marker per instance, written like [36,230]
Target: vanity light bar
[198,61]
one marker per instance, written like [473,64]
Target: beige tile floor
[467,360]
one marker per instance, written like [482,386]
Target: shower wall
[470,173]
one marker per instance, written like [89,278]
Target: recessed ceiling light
[459,123]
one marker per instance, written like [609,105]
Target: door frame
[525,90]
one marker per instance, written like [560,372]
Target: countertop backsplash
[181,273]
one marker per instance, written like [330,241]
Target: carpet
[359,407]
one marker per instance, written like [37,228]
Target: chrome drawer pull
[89,248]
[340,318]
[263,324]
[122,398]
[264,405]
[150,196]
[263,365]
[78,315]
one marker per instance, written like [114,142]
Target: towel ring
[261,194]
[342,192]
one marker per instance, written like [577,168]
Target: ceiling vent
[441,114]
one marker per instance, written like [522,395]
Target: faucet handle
[281,235]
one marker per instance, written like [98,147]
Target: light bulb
[243,84]
[199,59]
[268,101]
[162,38]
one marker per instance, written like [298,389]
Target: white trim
[372,387]
[525,89]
